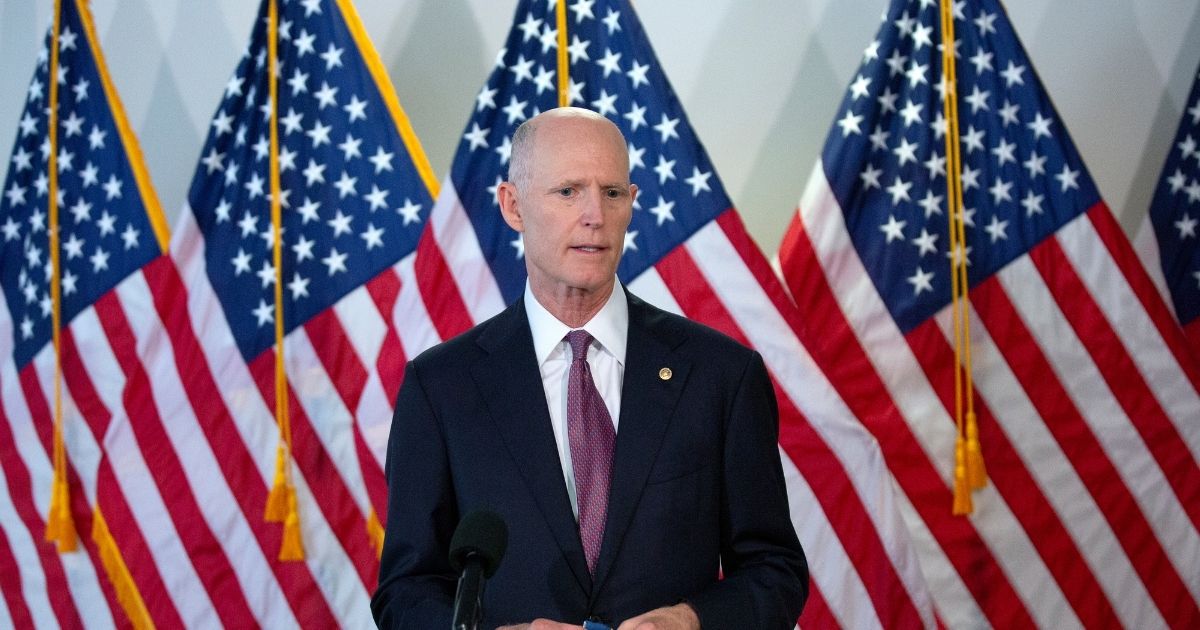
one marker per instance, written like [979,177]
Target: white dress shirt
[606,357]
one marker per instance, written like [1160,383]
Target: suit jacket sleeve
[765,580]
[416,583]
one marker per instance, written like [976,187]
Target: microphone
[475,552]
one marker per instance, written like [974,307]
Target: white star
[298,82]
[1000,191]
[1187,147]
[611,21]
[382,160]
[22,159]
[1036,164]
[518,245]
[287,160]
[265,313]
[1193,191]
[373,236]
[68,283]
[872,52]
[899,190]
[222,211]
[73,125]
[893,229]
[223,123]
[340,224]
[667,128]
[887,100]
[308,210]
[978,99]
[298,286]
[926,243]
[26,328]
[89,176]
[1177,181]
[213,161]
[663,210]
[1068,178]
[870,176]
[335,261]
[303,249]
[896,63]
[504,150]
[529,28]
[1008,113]
[610,62]
[332,57]
[319,134]
[314,172]
[699,181]
[254,186]
[630,241]
[1032,203]
[936,165]
[112,188]
[921,281]
[931,203]
[249,224]
[494,191]
[522,70]
[665,169]
[304,43]
[476,136]
[291,122]
[583,9]
[1186,226]
[548,38]
[80,89]
[1194,110]
[911,113]
[99,260]
[996,229]
[982,60]
[356,108]
[635,157]
[921,36]
[16,194]
[350,147]
[850,123]
[636,116]
[879,139]
[65,160]
[986,23]
[66,39]
[376,198]
[973,139]
[346,185]
[860,87]
[12,229]
[1012,74]
[578,49]
[1040,126]
[544,80]
[637,74]
[905,24]
[605,105]
[1004,152]
[515,109]
[241,262]
[916,74]
[970,178]
[906,151]
[73,247]
[266,274]
[326,97]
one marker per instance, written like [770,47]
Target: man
[631,452]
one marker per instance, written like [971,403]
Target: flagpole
[564,67]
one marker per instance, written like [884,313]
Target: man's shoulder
[468,344]
[686,335]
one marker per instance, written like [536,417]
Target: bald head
[563,119]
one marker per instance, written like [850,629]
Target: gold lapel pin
[665,374]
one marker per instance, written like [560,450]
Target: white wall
[760,80]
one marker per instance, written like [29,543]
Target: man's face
[575,207]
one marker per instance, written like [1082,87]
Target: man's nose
[592,210]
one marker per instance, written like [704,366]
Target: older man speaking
[631,452]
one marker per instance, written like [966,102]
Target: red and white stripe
[864,570]
[1086,399]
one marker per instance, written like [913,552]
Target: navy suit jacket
[697,487]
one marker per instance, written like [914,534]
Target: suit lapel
[647,403]
[511,383]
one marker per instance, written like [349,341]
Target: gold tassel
[962,493]
[277,500]
[976,471]
[60,525]
[375,531]
[118,574]
[292,547]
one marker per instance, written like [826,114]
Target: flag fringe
[292,547]
[976,471]
[60,525]
[125,588]
[277,501]
[962,491]
[375,531]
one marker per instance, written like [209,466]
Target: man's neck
[573,308]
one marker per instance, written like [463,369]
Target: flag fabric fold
[1084,387]
[1168,240]
[687,251]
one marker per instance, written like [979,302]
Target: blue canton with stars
[614,72]
[885,159]
[353,203]
[105,233]
[1175,213]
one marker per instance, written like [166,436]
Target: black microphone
[475,551]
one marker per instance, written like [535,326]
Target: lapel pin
[665,374]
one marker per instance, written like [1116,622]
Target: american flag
[1169,241]
[686,250]
[1084,388]
[355,190]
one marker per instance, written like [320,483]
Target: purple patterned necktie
[591,436]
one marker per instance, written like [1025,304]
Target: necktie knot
[579,340]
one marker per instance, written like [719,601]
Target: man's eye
[613,193]
[565,192]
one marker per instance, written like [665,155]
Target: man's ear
[506,194]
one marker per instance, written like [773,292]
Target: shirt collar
[609,326]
